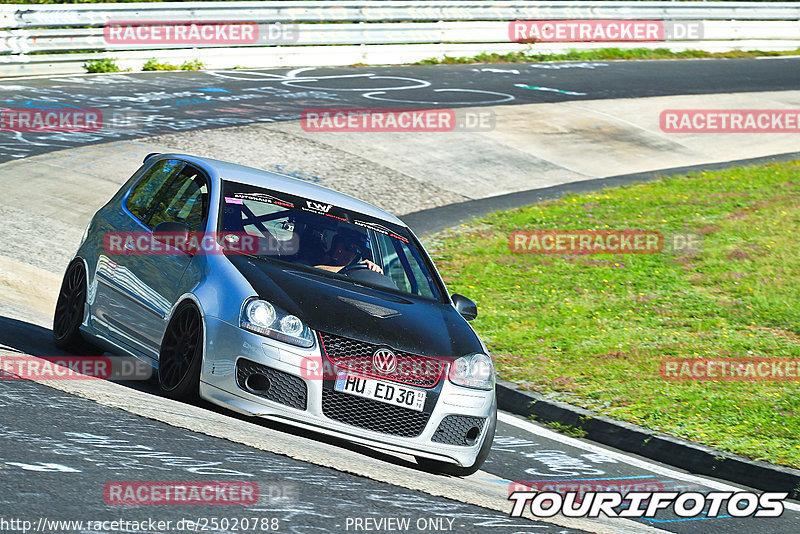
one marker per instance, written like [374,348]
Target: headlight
[473,371]
[263,318]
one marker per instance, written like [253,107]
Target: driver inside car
[344,249]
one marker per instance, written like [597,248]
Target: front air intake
[271,384]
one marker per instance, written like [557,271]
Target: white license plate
[378,390]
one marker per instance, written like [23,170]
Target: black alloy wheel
[181,354]
[69,312]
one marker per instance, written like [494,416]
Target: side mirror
[465,307]
[171,232]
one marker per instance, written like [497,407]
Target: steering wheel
[354,267]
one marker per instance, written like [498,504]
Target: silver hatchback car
[280,299]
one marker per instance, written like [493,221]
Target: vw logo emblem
[384,361]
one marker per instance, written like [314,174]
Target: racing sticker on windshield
[380,229]
[320,208]
[258,197]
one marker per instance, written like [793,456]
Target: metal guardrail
[32,35]
[22,16]
[70,39]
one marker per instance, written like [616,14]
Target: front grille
[283,388]
[373,415]
[420,371]
[454,430]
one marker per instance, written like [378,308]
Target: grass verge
[154,64]
[593,329]
[101,65]
[601,54]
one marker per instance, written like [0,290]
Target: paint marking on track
[547,89]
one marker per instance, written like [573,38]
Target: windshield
[328,239]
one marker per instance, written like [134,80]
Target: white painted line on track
[621,456]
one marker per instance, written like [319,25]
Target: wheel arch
[90,289]
[185,299]
[192,300]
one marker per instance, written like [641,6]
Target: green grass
[572,431]
[101,65]
[601,54]
[195,64]
[593,329]
[153,64]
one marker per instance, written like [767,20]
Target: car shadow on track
[152,389]
[27,338]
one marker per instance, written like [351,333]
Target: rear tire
[446,468]
[181,354]
[68,316]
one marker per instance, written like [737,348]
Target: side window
[398,260]
[144,194]
[184,199]
[252,225]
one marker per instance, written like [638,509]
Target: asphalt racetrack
[157,103]
[59,447]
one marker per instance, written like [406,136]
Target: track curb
[628,437]
[434,220]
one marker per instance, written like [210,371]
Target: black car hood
[340,307]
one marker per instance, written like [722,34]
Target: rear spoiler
[150,155]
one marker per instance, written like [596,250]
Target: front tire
[68,316]
[446,468]
[181,354]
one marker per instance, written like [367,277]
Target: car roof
[286,184]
